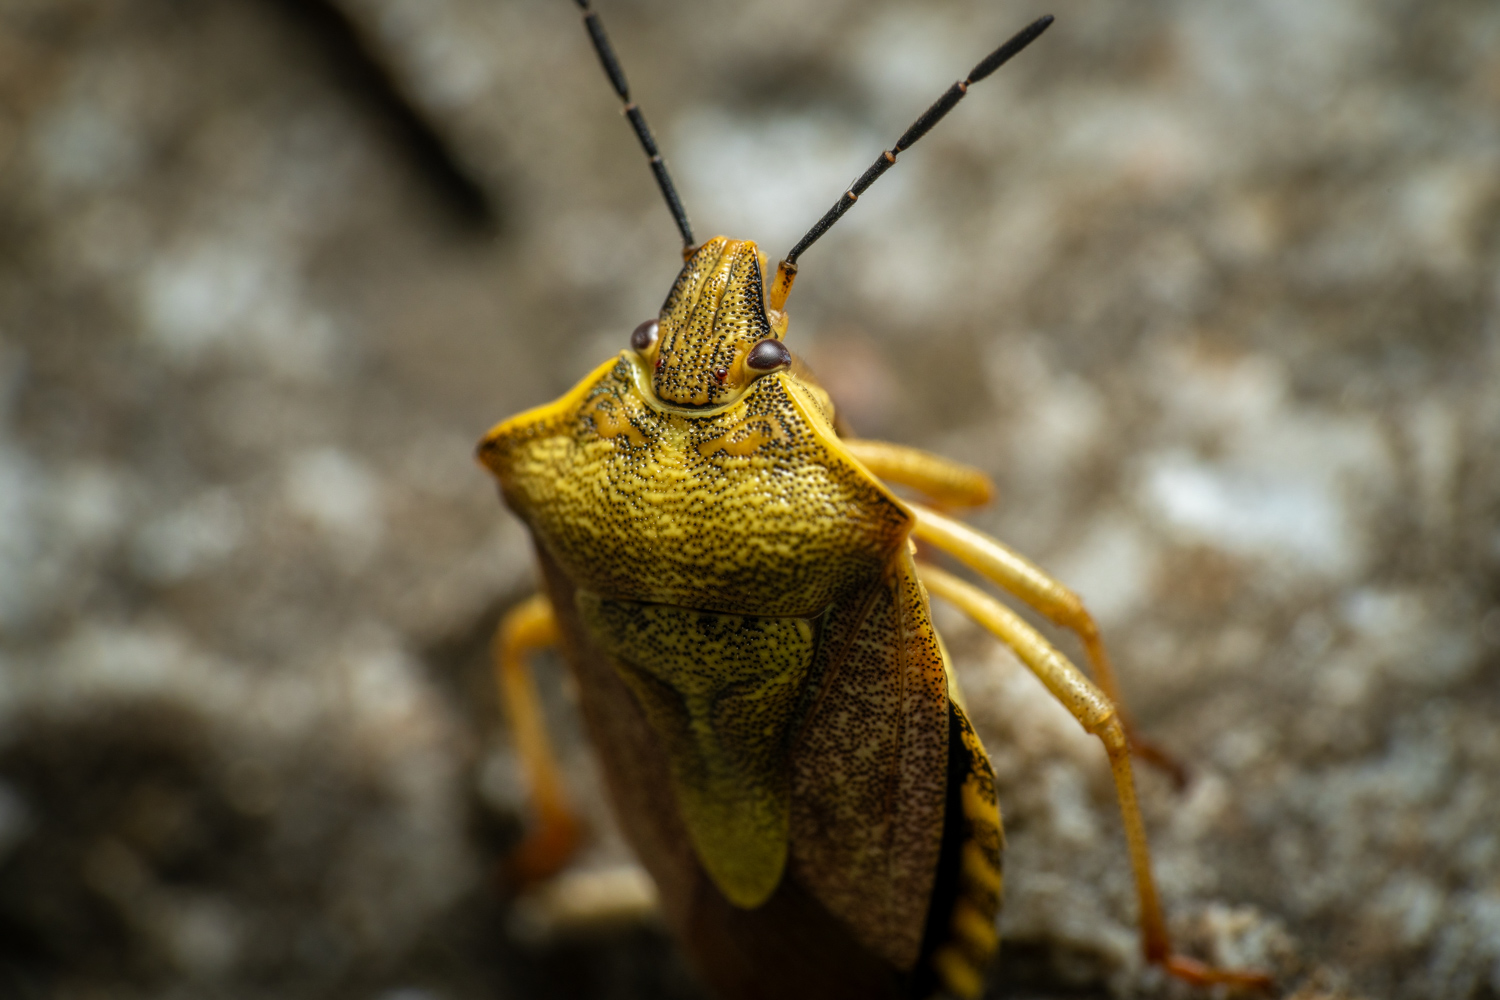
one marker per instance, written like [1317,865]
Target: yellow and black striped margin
[961,961]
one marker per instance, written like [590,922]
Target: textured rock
[1212,289]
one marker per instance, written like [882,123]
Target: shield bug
[737,592]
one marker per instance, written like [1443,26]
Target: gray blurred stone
[1212,289]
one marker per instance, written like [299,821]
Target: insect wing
[869,775]
[788,947]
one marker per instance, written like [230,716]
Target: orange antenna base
[786,273]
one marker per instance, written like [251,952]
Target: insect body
[736,589]
[745,590]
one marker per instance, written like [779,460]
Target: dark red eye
[644,335]
[768,355]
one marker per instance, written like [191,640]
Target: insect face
[709,342]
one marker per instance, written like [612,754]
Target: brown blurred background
[1210,287]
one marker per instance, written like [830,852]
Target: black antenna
[919,128]
[637,121]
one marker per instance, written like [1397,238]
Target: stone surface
[1212,289]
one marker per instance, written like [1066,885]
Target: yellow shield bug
[739,596]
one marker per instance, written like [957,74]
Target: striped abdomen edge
[965,947]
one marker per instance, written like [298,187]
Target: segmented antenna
[919,128]
[637,120]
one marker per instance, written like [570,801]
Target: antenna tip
[1034,30]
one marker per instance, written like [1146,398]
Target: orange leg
[1023,578]
[531,626]
[948,483]
[1098,716]
[951,484]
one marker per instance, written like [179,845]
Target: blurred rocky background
[1210,287]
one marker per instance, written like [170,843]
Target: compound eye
[769,355]
[644,336]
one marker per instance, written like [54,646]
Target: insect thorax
[750,509]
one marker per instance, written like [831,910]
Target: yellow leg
[531,626]
[1098,716]
[948,483]
[1023,578]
